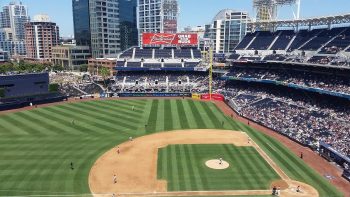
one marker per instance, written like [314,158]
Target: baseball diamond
[38,147]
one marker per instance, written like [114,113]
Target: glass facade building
[81,20]
[128,23]
[107,26]
[227,29]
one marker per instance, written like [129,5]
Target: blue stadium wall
[25,84]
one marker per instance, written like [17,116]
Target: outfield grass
[183,166]
[37,146]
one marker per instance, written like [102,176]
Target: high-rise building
[81,20]
[41,35]
[14,16]
[227,29]
[128,23]
[106,26]
[159,16]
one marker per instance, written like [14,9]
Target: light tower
[267,10]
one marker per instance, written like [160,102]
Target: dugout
[331,154]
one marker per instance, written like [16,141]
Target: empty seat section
[302,37]
[321,39]
[163,53]
[246,40]
[127,53]
[152,65]
[173,65]
[191,64]
[197,54]
[183,53]
[120,63]
[133,64]
[143,53]
[262,41]
[283,40]
[341,42]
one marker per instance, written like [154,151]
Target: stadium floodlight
[267,9]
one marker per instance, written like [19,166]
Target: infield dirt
[136,165]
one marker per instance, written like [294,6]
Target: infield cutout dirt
[135,166]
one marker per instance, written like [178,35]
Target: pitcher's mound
[215,164]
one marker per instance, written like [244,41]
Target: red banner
[181,39]
[217,97]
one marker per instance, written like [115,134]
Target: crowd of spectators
[305,117]
[331,83]
[74,84]
[160,82]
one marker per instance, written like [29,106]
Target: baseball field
[51,151]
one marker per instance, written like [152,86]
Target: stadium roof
[257,3]
[310,22]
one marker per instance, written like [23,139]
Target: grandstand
[294,79]
[306,40]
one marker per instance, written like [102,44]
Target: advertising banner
[164,39]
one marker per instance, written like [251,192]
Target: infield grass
[184,169]
[37,146]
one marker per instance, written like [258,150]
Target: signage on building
[165,39]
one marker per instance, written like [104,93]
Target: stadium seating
[262,41]
[143,53]
[246,40]
[283,39]
[163,53]
[183,53]
[322,38]
[127,54]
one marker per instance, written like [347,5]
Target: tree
[104,72]
[57,68]
[83,68]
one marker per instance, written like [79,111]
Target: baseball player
[118,150]
[220,161]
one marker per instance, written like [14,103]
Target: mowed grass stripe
[168,116]
[34,123]
[242,165]
[193,168]
[203,177]
[56,119]
[66,119]
[113,118]
[188,183]
[180,168]
[80,118]
[174,169]
[192,178]
[118,108]
[160,116]
[37,176]
[292,167]
[211,116]
[182,115]
[152,119]
[50,122]
[11,126]
[21,170]
[100,121]
[196,114]
[176,124]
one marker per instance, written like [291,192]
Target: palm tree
[104,72]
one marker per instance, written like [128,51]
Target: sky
[192,12]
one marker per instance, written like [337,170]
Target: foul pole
[210,70]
